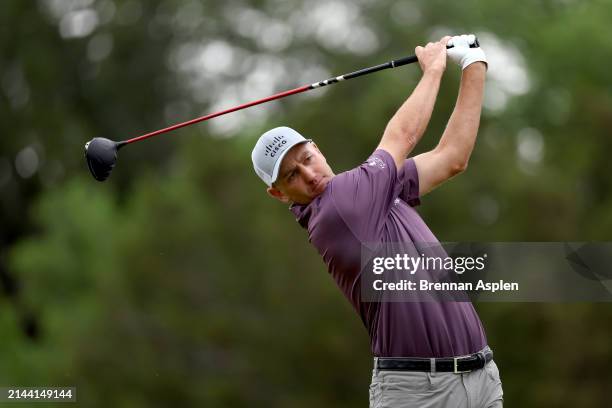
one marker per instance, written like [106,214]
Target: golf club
[101,153]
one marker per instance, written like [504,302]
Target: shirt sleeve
[408,178]
[364,195]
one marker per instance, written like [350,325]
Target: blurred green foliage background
[179,282]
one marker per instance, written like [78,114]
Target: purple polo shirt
[374,203]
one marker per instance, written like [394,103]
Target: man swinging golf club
[426,354]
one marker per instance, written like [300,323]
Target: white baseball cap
[270,150]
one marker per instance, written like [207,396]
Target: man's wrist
[434,73]
[478,67]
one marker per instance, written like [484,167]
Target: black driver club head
[101,156]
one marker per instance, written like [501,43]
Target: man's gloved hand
[461,52]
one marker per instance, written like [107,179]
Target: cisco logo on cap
[277,143]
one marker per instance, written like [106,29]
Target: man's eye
[308,158]
[291,177]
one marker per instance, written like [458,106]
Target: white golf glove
[461,52]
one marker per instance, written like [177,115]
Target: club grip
[404,61]
[411,59]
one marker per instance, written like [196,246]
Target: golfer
[426,354]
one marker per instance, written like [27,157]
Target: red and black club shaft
[365,71]
[101,153]
[390,64]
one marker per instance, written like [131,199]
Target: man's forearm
[410,121]
[459,136]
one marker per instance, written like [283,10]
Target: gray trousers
[407,389]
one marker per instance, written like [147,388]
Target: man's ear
[276,193]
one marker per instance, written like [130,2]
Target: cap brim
[278,163]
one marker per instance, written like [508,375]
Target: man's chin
[320,188]
[317,191]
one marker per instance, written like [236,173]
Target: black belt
[456,365]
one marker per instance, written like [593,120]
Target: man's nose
[309,174]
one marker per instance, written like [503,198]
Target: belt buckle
[455,370]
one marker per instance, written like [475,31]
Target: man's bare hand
[432,57]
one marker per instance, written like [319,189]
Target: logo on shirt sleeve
[376,161]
